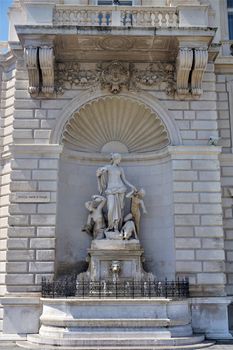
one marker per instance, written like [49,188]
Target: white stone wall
[225,118]
[7,81]
[227,200]
[34,168]
[198,219]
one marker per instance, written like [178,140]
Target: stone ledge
[20,301]
[108,301]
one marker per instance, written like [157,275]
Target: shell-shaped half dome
[115,124]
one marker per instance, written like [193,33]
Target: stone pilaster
[198,218]
[32,216]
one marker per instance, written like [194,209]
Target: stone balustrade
[116,16]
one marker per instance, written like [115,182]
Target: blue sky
[4,4]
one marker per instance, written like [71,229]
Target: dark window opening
[115,2]
[230,25]
[230,18]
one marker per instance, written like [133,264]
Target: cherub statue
[95,222]
[128,229]
[137,203]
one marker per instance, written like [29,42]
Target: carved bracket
[40,59]
[191,65]
[184,66]
[31,59]
[200,63]
[46,59]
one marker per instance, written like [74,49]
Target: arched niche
[122,124]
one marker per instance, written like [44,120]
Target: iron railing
[120,289]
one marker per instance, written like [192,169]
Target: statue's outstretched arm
[130,194]
[143,207]
[126,181]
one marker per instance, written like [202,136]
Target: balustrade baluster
[156,19]
[163,19]
[147,19]
[109,18]
[104,19]
[94,16]
[140,18]
[89,18]
[171,19]
[128,18]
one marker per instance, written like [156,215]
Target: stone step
[196,346]
[123,340]
[109,335]
[108,322]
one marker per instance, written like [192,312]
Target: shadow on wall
[69,269]
[230,317]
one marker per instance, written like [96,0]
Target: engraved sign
[30,197]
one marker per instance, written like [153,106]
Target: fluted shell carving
[115,119]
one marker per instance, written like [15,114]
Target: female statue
[111,180]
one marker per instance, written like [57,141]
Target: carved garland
[116,75]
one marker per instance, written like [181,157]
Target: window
[115,2]
[230,18]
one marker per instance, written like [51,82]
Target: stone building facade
[153,81]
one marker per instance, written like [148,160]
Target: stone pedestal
[210,317]
[127,254]
[21,314]
[120,323]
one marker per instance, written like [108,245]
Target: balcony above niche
[131,34]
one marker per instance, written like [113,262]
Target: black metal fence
[67,288]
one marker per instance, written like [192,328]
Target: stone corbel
[46,61]
[31,59]
[200,63]
[184,66]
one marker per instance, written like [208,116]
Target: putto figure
[137,204]
[95,222]
[111,181]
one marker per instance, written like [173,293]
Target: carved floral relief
[116,75]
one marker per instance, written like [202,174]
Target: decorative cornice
[195,150]
[32,149]
[159,156]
